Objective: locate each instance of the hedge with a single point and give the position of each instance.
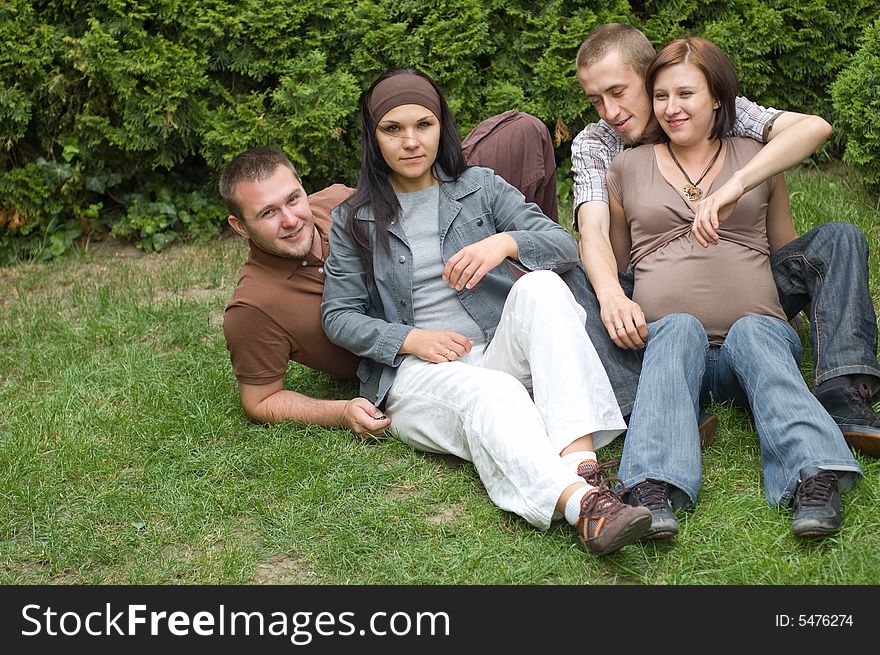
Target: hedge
(856, 94)
(117, 114)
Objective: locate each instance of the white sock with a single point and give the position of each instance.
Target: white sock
(573, 504)
(575, 458)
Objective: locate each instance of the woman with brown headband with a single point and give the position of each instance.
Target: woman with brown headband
(467, 357)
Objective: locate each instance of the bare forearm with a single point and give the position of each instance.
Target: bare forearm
(272, 404)
(598, 259)
(286, 405)
(595, 249)
(795, 137)
(604, 248)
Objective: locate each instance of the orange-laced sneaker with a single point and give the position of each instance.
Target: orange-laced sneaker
(606, 524)
(596, 474)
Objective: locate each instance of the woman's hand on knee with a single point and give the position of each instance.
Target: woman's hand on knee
(436, 346)
(469, 265)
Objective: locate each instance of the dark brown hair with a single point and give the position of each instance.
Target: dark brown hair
(716, 68)
(253, 164)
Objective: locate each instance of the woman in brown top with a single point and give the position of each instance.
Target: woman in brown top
(716, 328)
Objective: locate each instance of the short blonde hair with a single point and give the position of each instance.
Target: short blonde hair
(632, 44)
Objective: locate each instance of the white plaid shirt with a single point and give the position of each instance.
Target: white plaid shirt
(598, 144)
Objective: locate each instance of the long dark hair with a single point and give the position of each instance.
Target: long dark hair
(374, 191)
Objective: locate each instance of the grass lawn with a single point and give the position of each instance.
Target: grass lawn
(125, 457)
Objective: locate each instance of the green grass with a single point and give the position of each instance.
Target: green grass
(125, 457)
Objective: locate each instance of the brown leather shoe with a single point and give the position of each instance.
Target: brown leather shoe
(606, 524)
(708, 427)
(851, 409)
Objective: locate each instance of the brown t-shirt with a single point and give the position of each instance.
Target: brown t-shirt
(517, 147)
(673, 273)
(275, 313)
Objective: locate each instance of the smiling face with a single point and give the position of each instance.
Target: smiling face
(276, 215)
(683, 104)
(409, 137)
(618, 94)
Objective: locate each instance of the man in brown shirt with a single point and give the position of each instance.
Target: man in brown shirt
(274, 315)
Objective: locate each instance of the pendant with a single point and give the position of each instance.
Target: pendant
(692, 192)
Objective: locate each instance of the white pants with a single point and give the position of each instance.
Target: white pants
(479, 407)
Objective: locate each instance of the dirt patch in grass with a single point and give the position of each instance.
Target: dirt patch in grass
(197, 293)
(406, 488)
(9, 275)
(117, 248)
(284, 569)
(9, 279)
(446, 515)
(24, 573)
(217, 318)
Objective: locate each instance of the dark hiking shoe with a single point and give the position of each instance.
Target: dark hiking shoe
(654, 495)
(816, 504)
(596, 474)
(708, 427)
(606, 524)
(850, 407)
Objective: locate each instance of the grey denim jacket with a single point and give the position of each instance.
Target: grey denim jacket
(372, 318)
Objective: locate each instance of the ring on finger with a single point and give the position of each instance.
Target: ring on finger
(447, 353)
(619, 327)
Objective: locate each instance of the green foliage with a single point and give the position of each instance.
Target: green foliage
(787, 52)
(110, 110)
(157, 217)
(856, 95)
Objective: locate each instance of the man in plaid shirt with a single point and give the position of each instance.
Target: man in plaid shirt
(824, 271)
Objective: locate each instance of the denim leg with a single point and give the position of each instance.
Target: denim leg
(761, 355)
(627, 283)
(663, 439)
(828, 268)
(622, 365)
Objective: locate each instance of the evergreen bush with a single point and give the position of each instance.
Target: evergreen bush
(115, 115)
(856, 94)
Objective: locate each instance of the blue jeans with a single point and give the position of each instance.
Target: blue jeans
(758, 368)
(827, 267)
(622, 365)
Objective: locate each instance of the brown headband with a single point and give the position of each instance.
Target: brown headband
(403, 89)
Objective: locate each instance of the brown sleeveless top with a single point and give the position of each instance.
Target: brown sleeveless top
(673, 273)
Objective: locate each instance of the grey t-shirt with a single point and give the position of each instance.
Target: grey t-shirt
(435, 304)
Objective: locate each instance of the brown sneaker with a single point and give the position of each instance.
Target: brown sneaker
(606, 524)
(596, 474)
(708, 427)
